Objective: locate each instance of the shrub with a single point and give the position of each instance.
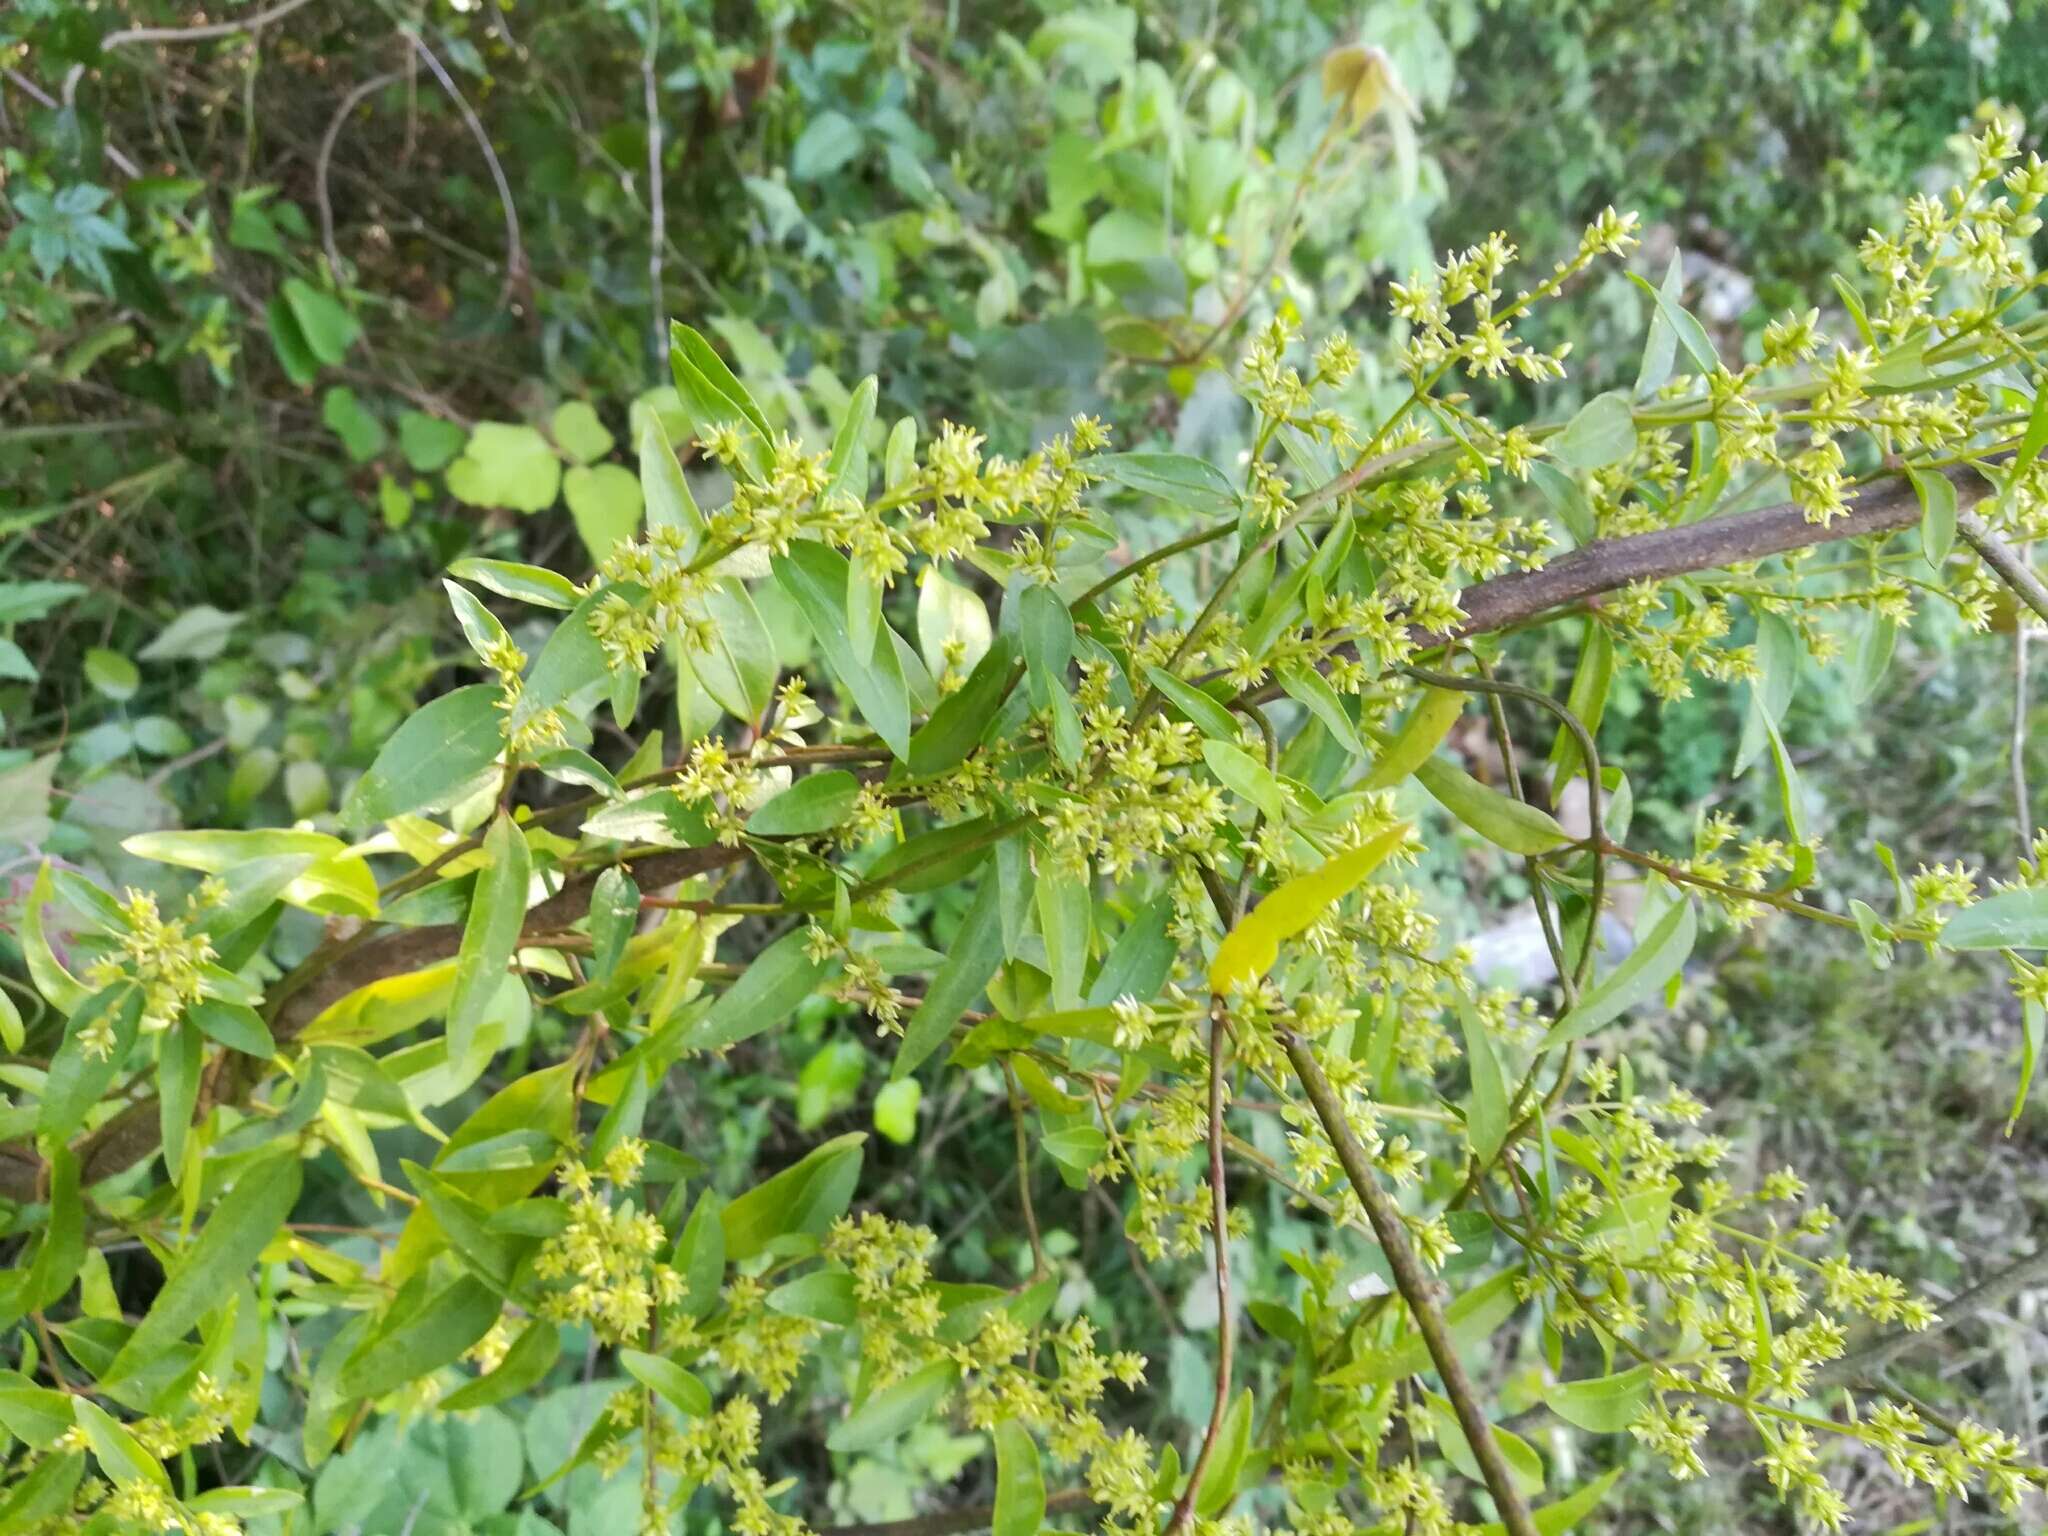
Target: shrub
(1129, 860)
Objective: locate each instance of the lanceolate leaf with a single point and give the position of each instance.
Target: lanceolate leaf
(894, 1409)
(1653, 962)
(1020, 1485)
(431, 759)
(1507, 823)
(971, 959)
(775, 982)
(2015, 919)
(1249, 950)
(240, 1227)
(497, 912)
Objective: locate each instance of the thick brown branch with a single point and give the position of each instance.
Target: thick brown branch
(1417, 1289)
(1709, 545)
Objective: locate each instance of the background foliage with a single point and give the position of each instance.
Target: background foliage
(294, 317)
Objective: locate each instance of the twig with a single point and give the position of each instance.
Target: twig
(326, 154)
(1417, 1289)
(2022, 812)
(1993, 1291)
(1996, 553)
(41, 97)
(650, 90)
(213, 29)
(1039, 1268)
(1219, 1223)
(515, 251)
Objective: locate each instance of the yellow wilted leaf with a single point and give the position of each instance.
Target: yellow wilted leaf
(1363, 79)
(1249, 950)
(383, 1008)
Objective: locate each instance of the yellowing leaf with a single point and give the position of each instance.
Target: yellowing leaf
(1249, 950)
(339, 882)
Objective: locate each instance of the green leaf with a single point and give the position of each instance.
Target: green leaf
(1524, 1465)
(529, 1359)
(497, 912)
(818, 802)
(1469, 1319)
(828, 142)
(896, 1408)
(677, 1387)
(1209, 716)
(200, 633)
(1937, 495)
(57, 986)
(1246, 777)
(1657, 957)
(806, 1197)
(120, 1454)
(1076, 1148)
(662, 486)
(815, 578)
(44, 1279)
(605, 501)
(896, 1110)
(1603, 433)
(337, 882)
(614, 913)
(523, 583)
(1140, 960)
(1065, 913)
(2015, 919)
(1677, 324)
(899, 456)
(774, 983)
(956, 727)
(1020, 1484)
(328, 329)
(578, 432)
(1310, 689)
(1045, 628)
(1502, 820)
(1605, 1405)
(824, 1296)
(1556, 1519)
(846, 470)
(1428, 723)
(2036, 437)
(1176, 477)
(710, 367)
(234, 1025)
(506, 464)
(420, 1336)
(432, 760)
(1486, 1117)
(79, 1077)
(427, 442)
(2033, 1035)
(362, 434)
(971, 960)
(1219, 1480)
(112, 674)
(34, 1415)
(239, 1229)
(700, 1253)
